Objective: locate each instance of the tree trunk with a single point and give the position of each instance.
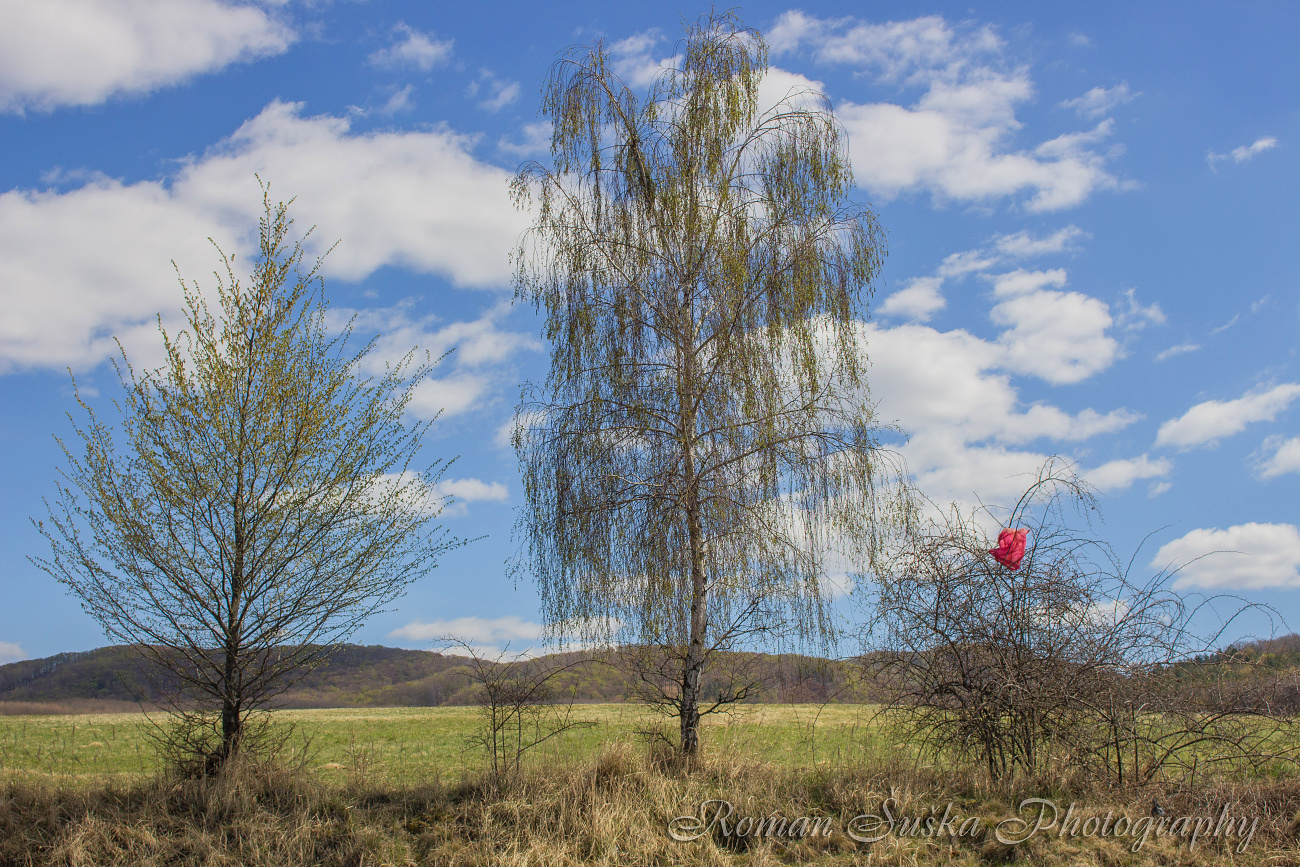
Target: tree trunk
(693, 666)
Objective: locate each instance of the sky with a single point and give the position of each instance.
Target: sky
(1091, 213)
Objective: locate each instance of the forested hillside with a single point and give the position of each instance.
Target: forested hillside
(376, 676)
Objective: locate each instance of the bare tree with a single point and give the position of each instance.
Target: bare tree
(1066, 654)
(257, 503)
(519, 705)
(703, 440)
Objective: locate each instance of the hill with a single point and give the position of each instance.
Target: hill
(112, 679)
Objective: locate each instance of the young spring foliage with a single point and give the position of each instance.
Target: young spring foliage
(703, 442)
(257, 501)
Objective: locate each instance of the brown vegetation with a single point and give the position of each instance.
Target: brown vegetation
(612, 810)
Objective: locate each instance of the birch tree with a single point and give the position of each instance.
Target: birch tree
(703, 450)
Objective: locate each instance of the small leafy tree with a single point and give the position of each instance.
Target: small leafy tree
(703, 442)
(256, 504)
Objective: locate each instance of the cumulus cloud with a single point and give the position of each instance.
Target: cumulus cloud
(1243, 557)
(948, 390)
(488, 636)
(1242, 154)
(1208, 422)
(952, 392)
(919, 300)
(11, 652)
(82, 52)
(955, 141)
(1100, 101)
(411, 48)
(83, 265)
(1285, 457)
(1057, 336)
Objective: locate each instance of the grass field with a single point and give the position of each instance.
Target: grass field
(402, 786)
(405, 746)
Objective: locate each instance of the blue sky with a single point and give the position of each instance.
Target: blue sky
(1091, 213)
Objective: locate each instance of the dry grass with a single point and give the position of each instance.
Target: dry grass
(609, 809)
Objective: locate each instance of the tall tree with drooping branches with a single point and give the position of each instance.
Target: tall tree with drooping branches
(702, 456)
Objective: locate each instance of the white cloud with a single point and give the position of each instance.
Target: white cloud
(462, 492)
(1242, 154)
(467, 379)
(400, 101)
(1057, 336)
(955, 140)
(1180, 349)
(952, 392)
(536, 140)
(1285, 458)
(472, 490)
(414, 49)
(499, 92)
(11, 652)
(967, 262)
(1134, 317)
(1022, 245)
(86, 264)
(81, 52)
(1208, 422)
(1100, 101)
(919, 300)
(1119, 475)
(1243, 557)
(488, 636)
(634, 60)
(966, 424)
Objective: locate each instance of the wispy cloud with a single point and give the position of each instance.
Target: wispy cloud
(487, 636)
(1100, 101)
(1242, 154)
(1180, 349)
(497, 92)
(411, 48)
(457, 494)
(11, 652)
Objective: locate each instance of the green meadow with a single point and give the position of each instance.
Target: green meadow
(405, 746)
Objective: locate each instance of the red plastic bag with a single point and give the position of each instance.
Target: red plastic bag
(1011, 548)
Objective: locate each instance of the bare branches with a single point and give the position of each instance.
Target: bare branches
(1069, 657)
(519, 709)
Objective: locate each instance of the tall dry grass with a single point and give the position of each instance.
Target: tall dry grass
(610, 810)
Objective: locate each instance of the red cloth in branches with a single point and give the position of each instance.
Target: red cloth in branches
(1011, 548)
